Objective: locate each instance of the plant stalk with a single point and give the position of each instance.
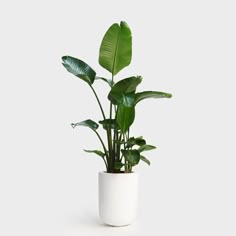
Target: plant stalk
(104, 147)
(109, 139)
(99, 103)
(126, 162)
(111, 151)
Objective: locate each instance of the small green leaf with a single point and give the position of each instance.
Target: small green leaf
(108, 81)
(119, 142)
(140, 141)
(146, 148)
(150, 94)
(118, 165)
(116, 48)
(108, 123)
(132, 156)
(135, 141)
(125, 117)
(131, 142)
(145, 160)
(79, 68)
(99, 153)
(89, 123)
(123, 91)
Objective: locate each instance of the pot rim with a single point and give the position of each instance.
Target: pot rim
(123, 173)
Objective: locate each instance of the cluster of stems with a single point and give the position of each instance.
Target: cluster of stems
(115, 141)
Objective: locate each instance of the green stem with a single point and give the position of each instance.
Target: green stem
(114, 143)
(112, 156)
(115, 138)
(129, 166)
(99, 103)
(109, 139)
(118, 147)
(126, 162)
(104, 147)
(112, 79)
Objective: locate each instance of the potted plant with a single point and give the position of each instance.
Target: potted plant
(120, 151)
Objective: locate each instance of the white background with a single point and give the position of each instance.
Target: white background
(48, 185)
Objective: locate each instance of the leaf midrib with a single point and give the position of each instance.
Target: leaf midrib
(114, 61)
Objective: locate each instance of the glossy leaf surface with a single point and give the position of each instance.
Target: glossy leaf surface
(123, 91)
(79, 68)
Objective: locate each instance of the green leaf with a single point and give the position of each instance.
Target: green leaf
(119, 142)
(150, 94)
(132, 156)
(79, 68)
(123, 91)
(125, 117)
(145, 160)
(135, 141)
(108, 81)
(99, 153)
(89, 123)
(108, 123)
(131, 142)
(118, 165)
(140, 141)
(146, 148)
(116, 48)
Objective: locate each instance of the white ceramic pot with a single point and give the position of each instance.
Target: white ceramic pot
(118, 195)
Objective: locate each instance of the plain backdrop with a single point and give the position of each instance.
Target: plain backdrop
(48, 185)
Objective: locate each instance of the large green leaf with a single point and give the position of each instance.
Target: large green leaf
(79, 68)
(146, 147)
(145, 160)
(132, 156)
(116, 48)
(125, 117)
(123, 91)
(99, 153)
(150, 94)
(88, 123)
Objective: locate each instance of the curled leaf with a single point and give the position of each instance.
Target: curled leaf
(99, 153)
(146, 147)
(150, 94)
(88, 123)
(145, 160)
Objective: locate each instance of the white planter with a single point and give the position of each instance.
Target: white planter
(118, 195)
